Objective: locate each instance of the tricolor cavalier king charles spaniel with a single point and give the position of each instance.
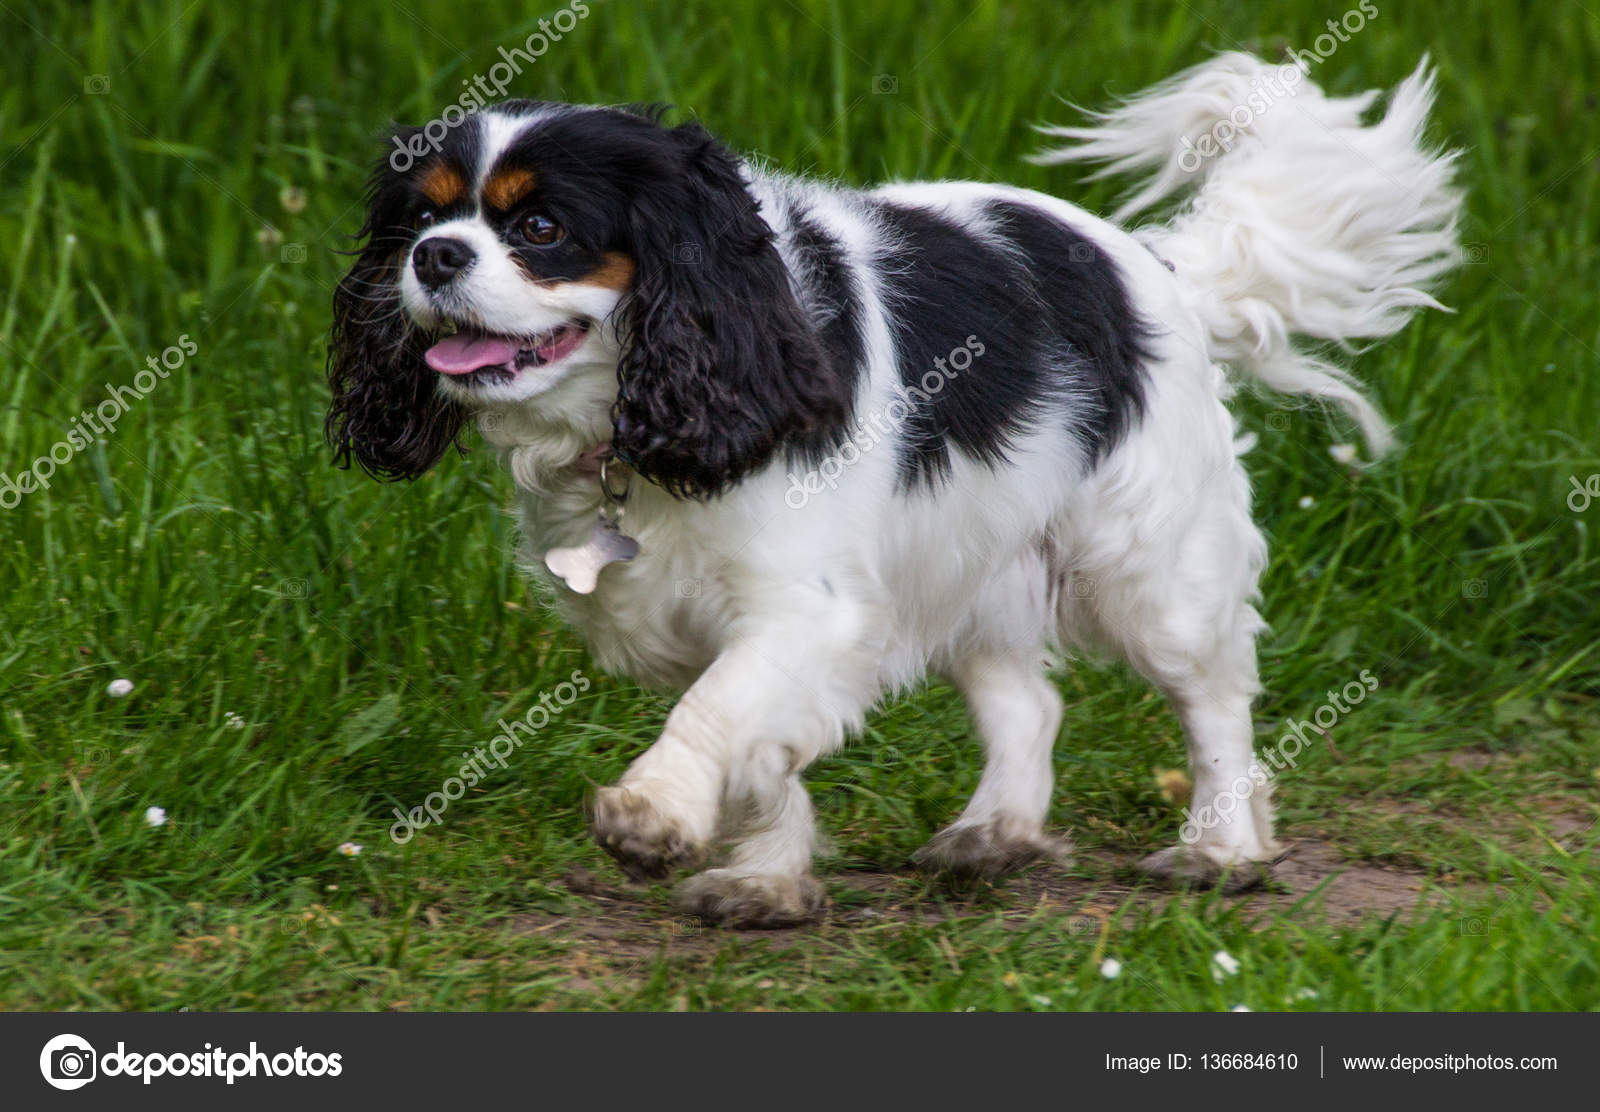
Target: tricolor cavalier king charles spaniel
(788, 447)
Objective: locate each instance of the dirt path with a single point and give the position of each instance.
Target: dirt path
(630, 924)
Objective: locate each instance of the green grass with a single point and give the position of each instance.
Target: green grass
(362, 636)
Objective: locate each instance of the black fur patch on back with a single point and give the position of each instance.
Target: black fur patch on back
(1088, 306)
(1054, 321)
(830, 293)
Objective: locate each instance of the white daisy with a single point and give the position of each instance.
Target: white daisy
(155, 816)
(1223, 966)
(119, 689)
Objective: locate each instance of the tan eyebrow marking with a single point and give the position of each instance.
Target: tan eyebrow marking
(506, 187)
(614, 273)
(443, 184)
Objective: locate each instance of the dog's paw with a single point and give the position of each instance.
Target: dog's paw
(647, 844)
(985, 852)
(1192, 867)
(751, 901)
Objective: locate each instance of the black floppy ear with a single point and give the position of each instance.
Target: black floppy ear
(386, 412)
(721, 368)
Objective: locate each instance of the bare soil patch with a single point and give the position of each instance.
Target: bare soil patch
(1312, 880)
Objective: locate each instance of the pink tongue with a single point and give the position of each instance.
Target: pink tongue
(464, 353)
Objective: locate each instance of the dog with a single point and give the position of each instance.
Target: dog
(789, 448)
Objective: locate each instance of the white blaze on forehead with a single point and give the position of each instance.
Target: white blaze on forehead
(498, 131)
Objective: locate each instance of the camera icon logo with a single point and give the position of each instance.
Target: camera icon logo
(68, 1062)
(293, 253)
(686, 253)
(885, 85)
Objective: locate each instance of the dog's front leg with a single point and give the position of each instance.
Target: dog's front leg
(662, 814)
(728, 763)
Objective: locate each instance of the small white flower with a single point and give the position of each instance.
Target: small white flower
(1111, 969)
(1306, 994)
(1240, 1008)
(119, 689)
(155, 816)
(350, 849)
(1306, 502)
(1223, 966)
(1342, 453)
(233, 721)
(1042, 1001)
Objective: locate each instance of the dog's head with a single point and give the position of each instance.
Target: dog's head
(534, 254)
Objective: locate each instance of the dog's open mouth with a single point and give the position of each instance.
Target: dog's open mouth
(473, 356)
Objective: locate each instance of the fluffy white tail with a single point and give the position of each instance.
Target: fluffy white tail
(1304, 221)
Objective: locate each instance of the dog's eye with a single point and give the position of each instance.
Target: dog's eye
(424, 219)
(539, 229)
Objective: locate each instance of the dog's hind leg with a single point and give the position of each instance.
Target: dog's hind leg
(1176, 598)
(1017, 712)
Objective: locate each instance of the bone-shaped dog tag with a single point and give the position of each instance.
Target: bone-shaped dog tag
(579, 568)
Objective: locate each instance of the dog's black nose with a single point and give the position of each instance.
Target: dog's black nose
(438, 259)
